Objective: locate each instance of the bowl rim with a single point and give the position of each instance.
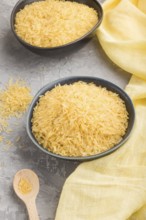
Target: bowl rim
(12, 18)
(50, 86)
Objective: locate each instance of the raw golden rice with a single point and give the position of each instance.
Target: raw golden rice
(53, 23)
(79, 119)
(14, 100)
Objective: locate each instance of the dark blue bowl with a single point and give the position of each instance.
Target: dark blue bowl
(44, 50)
(99, 82)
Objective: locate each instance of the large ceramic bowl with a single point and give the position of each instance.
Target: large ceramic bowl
(43, 50)
(99, 82)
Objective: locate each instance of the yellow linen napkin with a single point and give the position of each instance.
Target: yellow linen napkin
(114, 187)
(123, 34)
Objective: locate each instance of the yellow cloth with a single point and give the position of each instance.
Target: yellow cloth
(114, 187)
(123, 34)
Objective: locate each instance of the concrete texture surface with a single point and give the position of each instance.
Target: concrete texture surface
(18, 62)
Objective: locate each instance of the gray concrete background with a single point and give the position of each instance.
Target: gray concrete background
(18, 62)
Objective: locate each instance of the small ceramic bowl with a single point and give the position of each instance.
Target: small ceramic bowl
(43, 50)
(99, 82)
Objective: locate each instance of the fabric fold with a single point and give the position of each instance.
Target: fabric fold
(123, 35)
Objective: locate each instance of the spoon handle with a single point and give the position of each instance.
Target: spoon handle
(32, 210)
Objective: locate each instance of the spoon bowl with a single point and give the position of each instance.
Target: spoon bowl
(26, 187)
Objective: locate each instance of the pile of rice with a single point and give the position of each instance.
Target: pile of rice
(14, 101)
(53, 23)
(79, 119)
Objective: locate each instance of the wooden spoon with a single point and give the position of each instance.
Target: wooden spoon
(26, 186)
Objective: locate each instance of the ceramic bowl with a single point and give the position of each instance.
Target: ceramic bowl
(99, 82)
(43, 50)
